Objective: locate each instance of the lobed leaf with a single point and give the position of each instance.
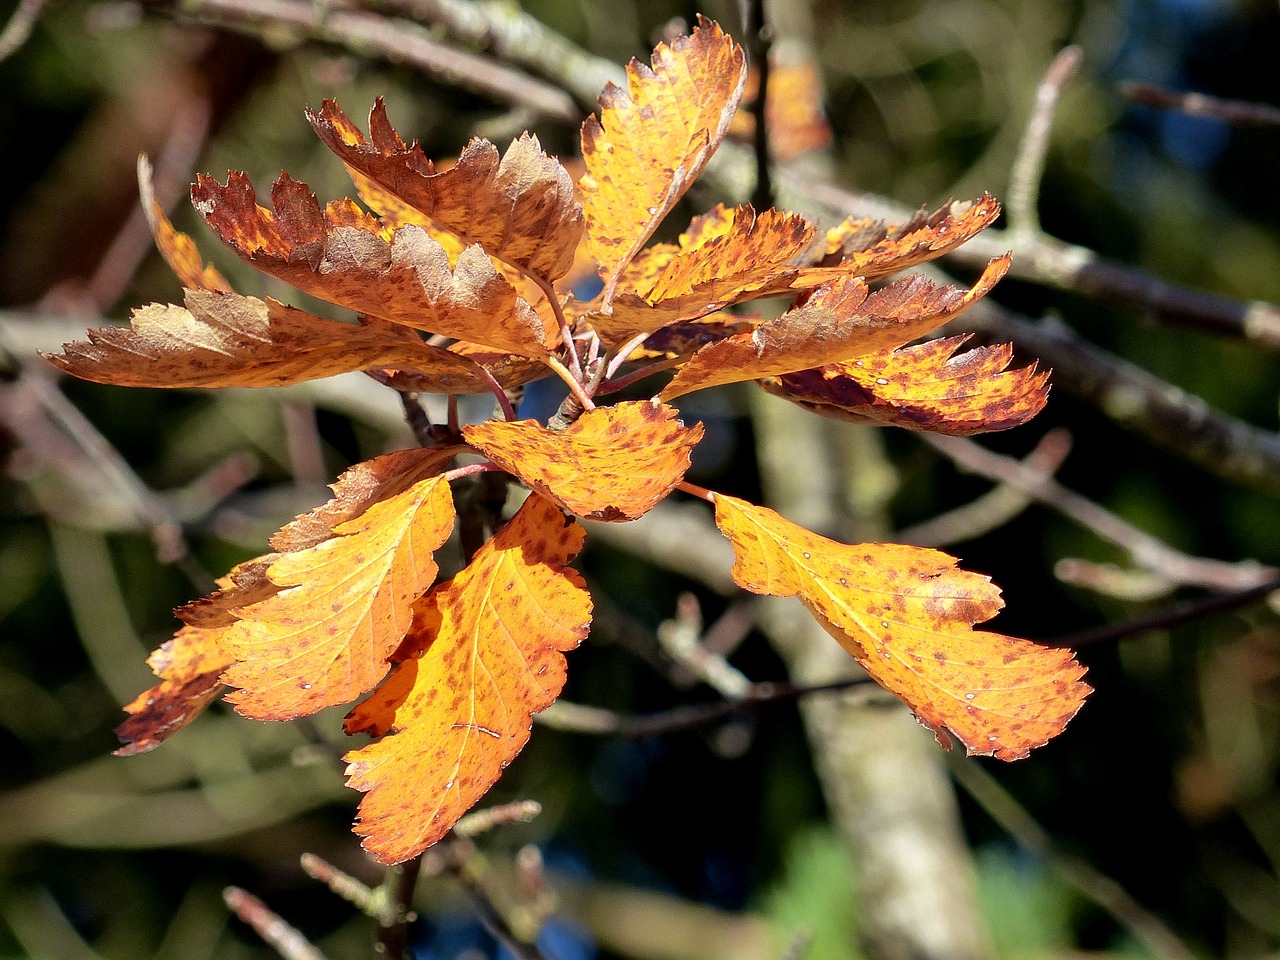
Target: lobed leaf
(521, 209)
(612, 463)
(339, 254)
(189, 666)
(923, 387)
(344, 603)
(222, 339)
(486, 653)
(906, 614)
(839, 320)
(178, 249)
(653, 139)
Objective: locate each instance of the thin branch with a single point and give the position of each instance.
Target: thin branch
(1146, 550)
(356, 892)
(1091, 884)
(1240, 112)
(1028, 166)
(417, 418)
(482, 821)
(1174, 615)
(465, 865)
(276, 932)
(993, 509)
(18, 30)
(759, 37)
(393, 927)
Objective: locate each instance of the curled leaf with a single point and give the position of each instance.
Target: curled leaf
(521, 209)
(653, 139)
(613, 463)
(486, 653)
(923, 387)
(906, 614)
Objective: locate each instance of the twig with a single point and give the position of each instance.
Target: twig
(482, 821)
(1146, 550)
(417, 418)
(18, 30)
(398, 41)
(467, 867)
(1028, 166)
(1240, 112)
(285, 939)
(996, 507)
(393, 927)
(1167, 618)
(356, 892)
(682, 637)
(1094, 886)
(595, 721)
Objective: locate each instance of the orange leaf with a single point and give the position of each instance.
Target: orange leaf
(487, 652)
(345, 602)
(189, 667)
(923, 387)
(339, 254)
(521, 209)
(872, 249)
(839, 320)
(178, 249)
(226, 340)
(653, 139)
(613, 463)
(906, 614)
(723, 258)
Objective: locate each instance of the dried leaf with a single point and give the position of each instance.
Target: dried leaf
(906, 614)
(178, 249)
(522, 209)
(189, 667)
(487, 652)
(226, 340)
(345, 603)
(725, 257)
(613, 463)
(340, 255)
(923, 387)
(839, 320)
(653, 140)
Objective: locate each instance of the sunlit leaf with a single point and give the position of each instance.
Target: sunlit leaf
(486, 653)
(613, 463)
(906, 614)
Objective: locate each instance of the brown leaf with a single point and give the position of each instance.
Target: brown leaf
(521, 209)
(839, 320)
(486, 653)
(223, 339)
(344, 603)
(653, 139)
(613, 463)
(725, 257)
(339, 254)
(189, 667)
(923, 387)
(178, 249)
(906, 614)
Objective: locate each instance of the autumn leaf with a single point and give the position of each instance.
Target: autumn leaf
(345, 602)
(521, 209)
(339, 254)
(189, 667)
(653, 139)
(725, 257)
(838, 321)
(178, 249)
(923, 387)
(222, 339)
(906, 613)
(613, 463)
(487, 652)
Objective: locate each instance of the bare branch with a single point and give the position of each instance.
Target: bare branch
(276, 932)
(1028, 167)
(1240, 112)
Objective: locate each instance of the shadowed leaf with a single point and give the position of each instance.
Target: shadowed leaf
(838, 321)
(906, 614)
(653, 139)
(612, 463)
(486, 653)
(339, 254)
(521, 208)
(923, 387)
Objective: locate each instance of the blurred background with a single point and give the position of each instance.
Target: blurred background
(1150, 827)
